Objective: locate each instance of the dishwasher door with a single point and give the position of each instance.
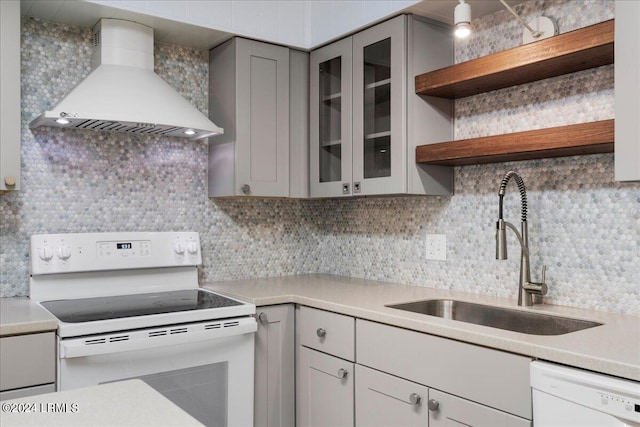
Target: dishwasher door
(567, 397)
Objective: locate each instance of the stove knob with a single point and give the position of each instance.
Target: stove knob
(192, 247)
(64, 252)
(178, 248)
(45, 253)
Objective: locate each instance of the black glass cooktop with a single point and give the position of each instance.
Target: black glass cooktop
(103, 308)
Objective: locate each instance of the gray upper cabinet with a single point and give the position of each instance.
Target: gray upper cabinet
(9, 95)
(365, 118)
(627, 91)
(380, 88)
(298, 124)
(250, 95)
(330, 120)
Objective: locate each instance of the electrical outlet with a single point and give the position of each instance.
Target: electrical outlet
(436, 247)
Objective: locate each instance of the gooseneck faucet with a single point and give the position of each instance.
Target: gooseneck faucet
(526, 287)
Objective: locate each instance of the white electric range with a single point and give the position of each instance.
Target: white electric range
(129, 306)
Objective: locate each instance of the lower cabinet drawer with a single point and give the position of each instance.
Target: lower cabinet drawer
(27, 360)
(383, 400)
(326, 331)
(491, 377)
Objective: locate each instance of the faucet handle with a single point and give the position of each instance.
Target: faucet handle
(535, 288)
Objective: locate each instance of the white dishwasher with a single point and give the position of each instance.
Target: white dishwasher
(569, 397)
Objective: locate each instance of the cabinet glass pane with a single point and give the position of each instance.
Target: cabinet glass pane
(330, 120)
(377, 110)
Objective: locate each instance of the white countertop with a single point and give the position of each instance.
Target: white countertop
(20, 315)
(613, 348)
(125, 403)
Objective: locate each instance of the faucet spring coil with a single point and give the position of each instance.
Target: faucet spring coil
(521, 188)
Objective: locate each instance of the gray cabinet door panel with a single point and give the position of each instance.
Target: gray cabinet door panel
(324, 393)
(330, 138)
(275, 360)
(383, 400)
(627, 91)
(10, 95)
(380, 108)
(263, 118)
(249, 97)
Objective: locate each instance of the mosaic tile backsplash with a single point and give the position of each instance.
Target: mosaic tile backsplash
(583, 225)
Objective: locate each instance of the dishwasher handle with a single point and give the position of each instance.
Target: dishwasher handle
(155, 338)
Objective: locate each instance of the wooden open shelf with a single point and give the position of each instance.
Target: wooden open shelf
(572, 140)
(577, 50)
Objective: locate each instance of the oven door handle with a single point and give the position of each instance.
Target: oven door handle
(153, 338)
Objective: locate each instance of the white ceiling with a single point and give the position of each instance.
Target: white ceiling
(85, 14)
(442, 10)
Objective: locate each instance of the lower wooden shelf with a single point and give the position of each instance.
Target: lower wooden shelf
(572, 140)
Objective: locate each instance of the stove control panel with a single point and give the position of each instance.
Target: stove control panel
(82, 252)
(132, 248)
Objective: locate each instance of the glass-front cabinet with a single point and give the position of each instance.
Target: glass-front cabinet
(362, 107)
(379, 109)
(330, 112)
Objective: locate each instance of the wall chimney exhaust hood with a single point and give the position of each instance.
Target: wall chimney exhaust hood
(122, 93)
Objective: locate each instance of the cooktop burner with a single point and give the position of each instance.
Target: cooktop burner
(115, 307)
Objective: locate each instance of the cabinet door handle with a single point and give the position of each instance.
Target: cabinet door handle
(342, 373)
(415, 399)
(321, 332)
(246, 189)
(433, 405)
(262, 318)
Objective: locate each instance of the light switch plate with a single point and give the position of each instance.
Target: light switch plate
(436, 247)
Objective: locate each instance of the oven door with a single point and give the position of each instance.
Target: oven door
(206, 368)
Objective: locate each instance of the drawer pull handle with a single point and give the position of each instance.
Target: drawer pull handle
(342, 373)
(415, 399)
(321, 332)
(433, 404)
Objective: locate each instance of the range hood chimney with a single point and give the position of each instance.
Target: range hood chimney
(122, 93)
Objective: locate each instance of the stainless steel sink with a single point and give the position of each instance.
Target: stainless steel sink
(497, 317)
